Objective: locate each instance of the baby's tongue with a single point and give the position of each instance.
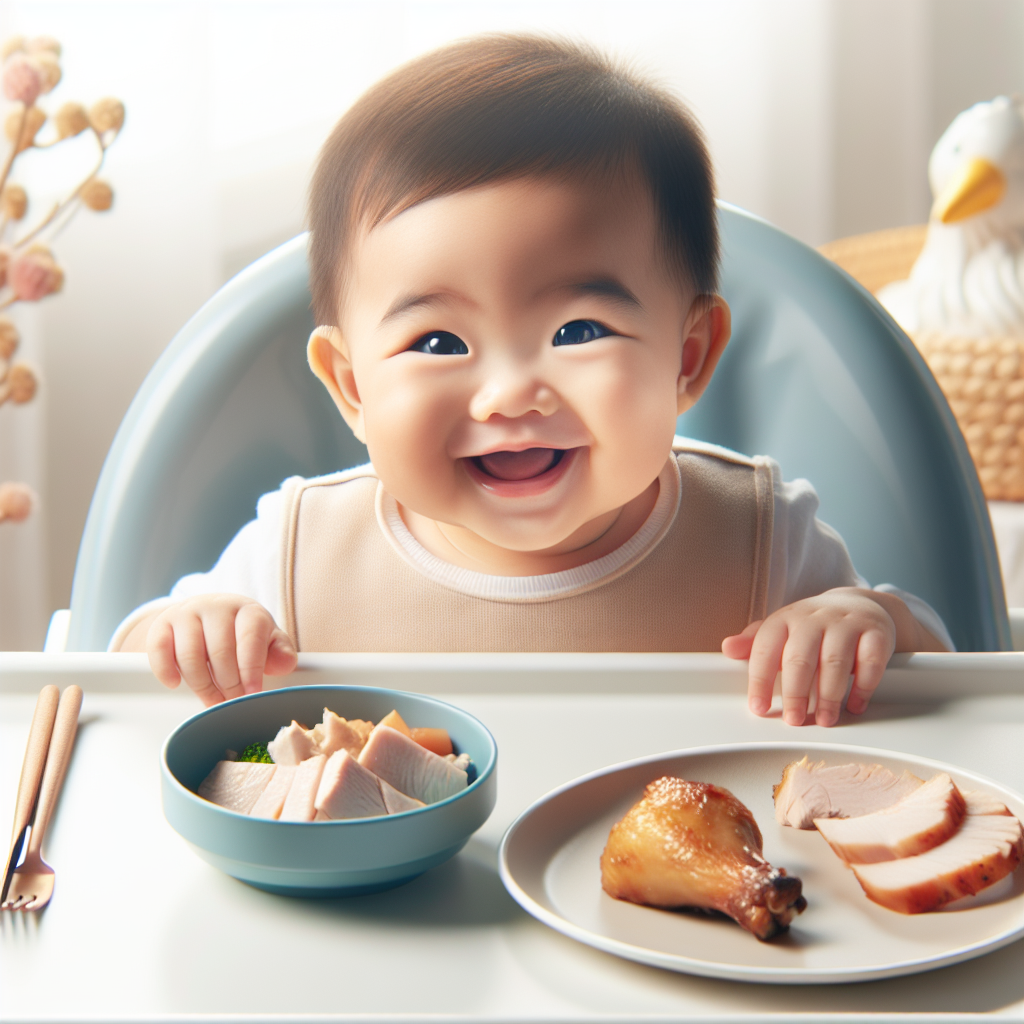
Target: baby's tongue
(519, 465)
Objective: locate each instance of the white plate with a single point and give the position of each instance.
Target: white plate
(549, 864)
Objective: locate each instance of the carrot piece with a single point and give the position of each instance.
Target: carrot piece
(435, 740)
(394, 720)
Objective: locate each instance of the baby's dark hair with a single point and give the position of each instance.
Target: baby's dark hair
(499, 107)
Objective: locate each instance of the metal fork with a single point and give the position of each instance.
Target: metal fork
(31, 884)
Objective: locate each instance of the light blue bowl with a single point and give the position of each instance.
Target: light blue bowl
(324, 858)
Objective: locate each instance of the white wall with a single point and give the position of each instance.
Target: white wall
(820, 116)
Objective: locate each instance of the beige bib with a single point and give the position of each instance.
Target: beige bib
(347, 587)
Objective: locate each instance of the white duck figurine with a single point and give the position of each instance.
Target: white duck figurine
(969, 277)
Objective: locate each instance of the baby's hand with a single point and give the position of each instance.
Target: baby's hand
(822, 640)
(220, 644)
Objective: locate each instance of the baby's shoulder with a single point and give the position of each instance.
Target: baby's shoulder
(274, 506)
(346, 484)
(795, 501)
(336, 479)
(688, 449)
(723, 481)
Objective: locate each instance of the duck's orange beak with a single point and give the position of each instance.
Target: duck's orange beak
(976, 186)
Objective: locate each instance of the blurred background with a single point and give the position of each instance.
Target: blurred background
(820, 116)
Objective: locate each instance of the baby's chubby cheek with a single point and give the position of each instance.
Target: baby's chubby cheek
(634, 417)
(407, 437)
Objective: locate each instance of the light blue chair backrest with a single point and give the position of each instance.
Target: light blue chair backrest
(817, 376)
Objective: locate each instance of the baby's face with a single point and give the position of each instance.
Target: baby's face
(512, 357)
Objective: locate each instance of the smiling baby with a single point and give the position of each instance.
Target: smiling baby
(514, 256)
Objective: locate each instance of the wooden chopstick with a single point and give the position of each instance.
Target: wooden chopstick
(31, 774)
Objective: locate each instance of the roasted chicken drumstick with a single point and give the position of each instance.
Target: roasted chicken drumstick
(692, 844)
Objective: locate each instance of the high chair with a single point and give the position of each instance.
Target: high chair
(817, 375)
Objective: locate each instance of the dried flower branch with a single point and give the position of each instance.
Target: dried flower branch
(29, 271)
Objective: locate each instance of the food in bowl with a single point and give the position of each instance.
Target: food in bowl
(694, 845)
(321, 858)
(340, 769)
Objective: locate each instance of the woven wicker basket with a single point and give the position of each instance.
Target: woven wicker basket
(983, 378)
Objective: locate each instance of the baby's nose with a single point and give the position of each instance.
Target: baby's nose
(511, 392)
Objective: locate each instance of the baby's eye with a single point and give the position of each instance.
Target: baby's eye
(440, 343)
(578, 332)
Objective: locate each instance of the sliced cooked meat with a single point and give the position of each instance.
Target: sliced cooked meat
(397, 802)
(808, 791)
(692, 844)
(299, 805)
(272, 799)
(348, 790)
(983, 803)
(410, 768)
(923, 819)
(985, 849)
(236, 785)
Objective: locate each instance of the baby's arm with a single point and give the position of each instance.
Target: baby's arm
(823, 623)
(218, 630)
(220, 644)
(826, 639)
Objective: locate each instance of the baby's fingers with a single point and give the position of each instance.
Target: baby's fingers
(765, 655)
(738, 646)
(281, 658)
(160, 648)
(191, 658)
(835, 663)
(257, 638)
(222, 651)
(873, 653)
(252, 638)
(799, 671)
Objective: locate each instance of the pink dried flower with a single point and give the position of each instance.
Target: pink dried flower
(16, 501)
(22, 79)
(35, 274)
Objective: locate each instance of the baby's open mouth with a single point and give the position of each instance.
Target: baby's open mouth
(522, 465)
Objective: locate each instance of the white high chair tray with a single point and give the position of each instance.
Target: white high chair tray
(178, 940)
(549, 863)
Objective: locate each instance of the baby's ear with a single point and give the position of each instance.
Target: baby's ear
(329, 359)
(706, 332)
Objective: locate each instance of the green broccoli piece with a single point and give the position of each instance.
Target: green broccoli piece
(256, 752)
